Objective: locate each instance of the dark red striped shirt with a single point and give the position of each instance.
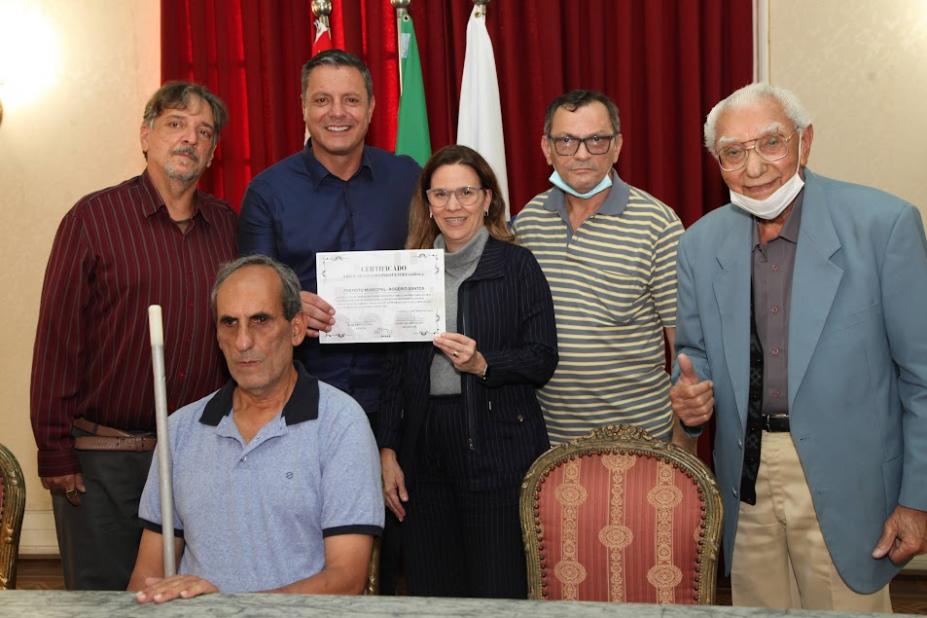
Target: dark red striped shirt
(116, 252)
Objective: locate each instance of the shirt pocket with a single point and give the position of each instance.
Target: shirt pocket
(617, 291)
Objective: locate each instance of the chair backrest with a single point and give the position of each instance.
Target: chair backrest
(12, 506)
(621, 516)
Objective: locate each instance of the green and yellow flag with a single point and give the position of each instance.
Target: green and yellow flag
(412, 136)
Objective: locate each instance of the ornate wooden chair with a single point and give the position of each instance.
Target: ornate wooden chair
(373, 570)
(621, 516)
(12, 505)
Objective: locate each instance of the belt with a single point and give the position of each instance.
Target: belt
(775, 423)
(111, 439)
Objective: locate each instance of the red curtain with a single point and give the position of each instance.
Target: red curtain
(250, 53)
(665, 62)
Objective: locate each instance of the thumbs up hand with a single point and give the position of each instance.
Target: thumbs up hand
(692, 398)
(687, 374)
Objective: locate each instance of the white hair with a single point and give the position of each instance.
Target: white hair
(750, 95)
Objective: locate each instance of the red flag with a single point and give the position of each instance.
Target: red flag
(323, 37)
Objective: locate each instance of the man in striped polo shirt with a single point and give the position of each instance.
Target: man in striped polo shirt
(609, 253)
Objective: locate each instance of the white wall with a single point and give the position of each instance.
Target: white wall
(78, 134)
(860, 67)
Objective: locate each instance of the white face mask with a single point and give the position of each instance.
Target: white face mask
(772, 206)
(561, 184)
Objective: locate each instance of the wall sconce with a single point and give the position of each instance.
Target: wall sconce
(29, 58)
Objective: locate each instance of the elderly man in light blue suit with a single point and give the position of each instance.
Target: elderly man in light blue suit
(800, 324)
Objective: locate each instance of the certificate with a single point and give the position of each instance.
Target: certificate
(383, 296)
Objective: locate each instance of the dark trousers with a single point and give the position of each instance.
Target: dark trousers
(99, 539)
(458, 542)
(391, 571)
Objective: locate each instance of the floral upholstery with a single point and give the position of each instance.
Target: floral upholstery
(620, 516)
(12, 505)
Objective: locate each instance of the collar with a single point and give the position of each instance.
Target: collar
(467, 254)
(492, 261)
(155, 202)
(615, 202)
(790, 229)
(318, 172)
(303, 404)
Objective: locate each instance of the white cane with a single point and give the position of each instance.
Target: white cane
(164, 454)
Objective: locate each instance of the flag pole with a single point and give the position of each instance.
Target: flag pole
(479, 119)
(402, 9)
(156, 330)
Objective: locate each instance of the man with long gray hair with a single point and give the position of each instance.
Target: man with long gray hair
(154, 239)
(800, 327)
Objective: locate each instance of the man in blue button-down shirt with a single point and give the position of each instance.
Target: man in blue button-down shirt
(336, 195)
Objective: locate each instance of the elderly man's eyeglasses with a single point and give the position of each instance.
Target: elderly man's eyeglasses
(568, 145)
(770, 148)
(466, 196)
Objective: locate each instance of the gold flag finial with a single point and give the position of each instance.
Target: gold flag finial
(321, 8)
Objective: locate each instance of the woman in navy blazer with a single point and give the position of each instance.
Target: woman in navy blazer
(459, 422)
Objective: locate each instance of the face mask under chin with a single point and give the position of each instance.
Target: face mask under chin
(772, 206)
(561, 184)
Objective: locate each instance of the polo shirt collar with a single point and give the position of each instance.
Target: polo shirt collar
(615, 202)
(155, 202)
(303, 404)
(318, 172)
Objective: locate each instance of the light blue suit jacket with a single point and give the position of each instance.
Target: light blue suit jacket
(857, 348)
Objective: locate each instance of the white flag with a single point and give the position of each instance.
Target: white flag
(479, 122)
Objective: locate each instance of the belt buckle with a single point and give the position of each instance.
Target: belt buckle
(778, 419)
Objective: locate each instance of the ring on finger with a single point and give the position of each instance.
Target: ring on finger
(455, 353)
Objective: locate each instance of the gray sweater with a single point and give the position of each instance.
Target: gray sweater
(445, 380)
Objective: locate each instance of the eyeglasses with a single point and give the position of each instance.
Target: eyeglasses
(466, 196)
(769, 148)
(568, 145)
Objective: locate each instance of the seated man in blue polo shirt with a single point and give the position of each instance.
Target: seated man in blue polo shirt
(276, 476)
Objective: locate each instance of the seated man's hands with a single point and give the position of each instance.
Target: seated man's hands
(159, 590)
(319, 313)
(692, 398)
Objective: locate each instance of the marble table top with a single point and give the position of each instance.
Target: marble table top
(54, 604)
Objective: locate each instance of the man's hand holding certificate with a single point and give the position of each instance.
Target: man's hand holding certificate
(382, 296)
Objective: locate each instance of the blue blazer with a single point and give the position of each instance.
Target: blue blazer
(857, 372)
